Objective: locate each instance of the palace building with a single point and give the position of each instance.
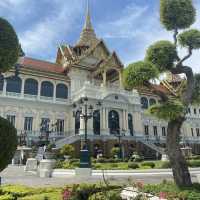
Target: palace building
(40, 101)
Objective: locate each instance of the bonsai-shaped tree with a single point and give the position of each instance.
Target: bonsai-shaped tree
(161, 57)
(9, 53)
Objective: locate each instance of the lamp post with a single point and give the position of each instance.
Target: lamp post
(86, 113)
(120, 135)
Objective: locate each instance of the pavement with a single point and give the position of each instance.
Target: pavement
(16, 175)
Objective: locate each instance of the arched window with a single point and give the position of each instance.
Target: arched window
(61, 91)
(14, 84)
(130, 123)
(152, 102)
(113, 122)
(77, 122)
(144, 102)
(31, 87)
(47, 89)
(96, 122)
(1, 84)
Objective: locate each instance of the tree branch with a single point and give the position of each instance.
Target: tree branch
(187, 95)
(175, 36)
(161, 94)
(180, 62)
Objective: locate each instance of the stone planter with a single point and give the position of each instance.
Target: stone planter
(49, 155)
(46, 168)
(67, 157)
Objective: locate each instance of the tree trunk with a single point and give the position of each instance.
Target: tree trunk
(178, 162)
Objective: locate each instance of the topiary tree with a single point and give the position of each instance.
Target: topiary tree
(9, 53)
(175, 15)
(8, 143)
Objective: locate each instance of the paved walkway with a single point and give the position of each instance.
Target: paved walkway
(16, 175)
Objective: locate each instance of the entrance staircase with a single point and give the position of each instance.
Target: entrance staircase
(151, 145)
(67, 140)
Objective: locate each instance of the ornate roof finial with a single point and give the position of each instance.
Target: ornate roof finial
(88, 24)
(88, 36)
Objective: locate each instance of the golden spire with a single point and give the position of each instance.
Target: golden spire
(88, 36)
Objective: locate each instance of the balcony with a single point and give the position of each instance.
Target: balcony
(100, 92)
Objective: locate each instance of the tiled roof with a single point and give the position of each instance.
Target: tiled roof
(40, 65)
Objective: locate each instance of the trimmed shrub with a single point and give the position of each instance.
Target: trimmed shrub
(165, 165)
(67, 150)
(133, 165)
(112, 195)
(8, 143)
(194, 163)
(148, 164)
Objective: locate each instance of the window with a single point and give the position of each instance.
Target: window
(61, 91)
(146, 130)
(152, 102)
(144, 102)
(96, 122)
(31, 87)
(163, 131)
(189, 111)
(14, 84)
(60, 125)
(47, 89)
(11, 119)
(130, 123)
(44, 126)
(113, 122)
(198, 132)
(28, 123)
(77, 122)
(192, 132)
(155, 131)
(195, 111)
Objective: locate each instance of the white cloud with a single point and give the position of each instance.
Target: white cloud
(140, 26)
(44, 36)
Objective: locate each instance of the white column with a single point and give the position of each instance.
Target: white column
(22, 89)
(4, 87)
(104, 78)
(54, 93)
(39, 90)
(120, 80)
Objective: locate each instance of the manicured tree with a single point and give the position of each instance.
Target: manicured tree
(9, 53)
(175, 15)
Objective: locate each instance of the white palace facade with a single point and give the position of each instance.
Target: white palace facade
(44, 93)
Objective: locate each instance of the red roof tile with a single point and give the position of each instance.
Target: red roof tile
(41, 65)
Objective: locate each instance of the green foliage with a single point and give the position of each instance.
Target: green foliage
(115, 151)
(67, 150)
(169, 110)
(133, 165)
(165, 165)
(194, 163)
(196, 92)
(190, 38)
(9, 48)
(148, 164)
(112, 195)
(173, 192)
(177, 14)
(162, 54)
(8, 143)
(136, 74)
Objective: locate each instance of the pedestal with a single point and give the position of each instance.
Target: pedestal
(46, 167)
(31, 165)
(85, 161)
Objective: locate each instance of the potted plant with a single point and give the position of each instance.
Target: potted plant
(67, 151)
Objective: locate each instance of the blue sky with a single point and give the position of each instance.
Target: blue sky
(127, 26)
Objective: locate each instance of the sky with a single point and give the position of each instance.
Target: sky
(127, 26)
